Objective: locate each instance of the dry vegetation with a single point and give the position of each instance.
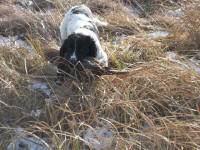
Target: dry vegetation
(156, 105)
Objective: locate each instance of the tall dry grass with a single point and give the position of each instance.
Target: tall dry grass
(154, 106)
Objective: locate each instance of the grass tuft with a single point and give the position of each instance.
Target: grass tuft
(154, 105)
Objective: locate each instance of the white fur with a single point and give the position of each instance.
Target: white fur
(75, 23)
(72, 22)
(73, 57)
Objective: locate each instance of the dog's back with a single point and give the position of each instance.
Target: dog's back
(82, 9)
(77, 17)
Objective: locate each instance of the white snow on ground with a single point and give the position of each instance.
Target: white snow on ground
(194, 64)
(36, 85)
(26, 2)
(29, 2)
(171, 55)
(35, 113)
(157, 34)
(132, 10)
(50, 99)
(175, 13)
(118, 40)
(119, 43)
(30, 5)
(24, 142)
(100, 138)
(14, 41)
(5, 40)
(46, 13)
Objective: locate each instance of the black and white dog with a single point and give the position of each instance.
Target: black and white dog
(80, 37)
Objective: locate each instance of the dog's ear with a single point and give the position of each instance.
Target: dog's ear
(92, 47)
(63, 48)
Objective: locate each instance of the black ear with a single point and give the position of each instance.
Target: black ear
(92, 48)
(63, 48)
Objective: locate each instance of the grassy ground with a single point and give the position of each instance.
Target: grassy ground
(156, 105)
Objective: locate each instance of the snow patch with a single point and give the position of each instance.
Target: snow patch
(27, 2)
(132, 10)
(14, 41)
(194, 64)
(119, 43)
(100, 138)
(118, 40)
(171, 55)
(46, 13)
(24, 142)
(157, 34)
(35, 113)
(145, 125)
(175, 13)
(50, 99)
(36, 85)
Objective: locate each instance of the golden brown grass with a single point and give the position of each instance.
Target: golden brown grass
(156, 105)
(187, 31)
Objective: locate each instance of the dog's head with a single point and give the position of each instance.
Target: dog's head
(77, 47)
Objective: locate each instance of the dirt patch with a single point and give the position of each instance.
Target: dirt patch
(4, 11)
(100, 7)
(43, 5)
(117, 29)
(15, 25)
(27, 24)
(36, 5)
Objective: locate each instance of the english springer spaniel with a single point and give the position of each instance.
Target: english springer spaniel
(80, 37)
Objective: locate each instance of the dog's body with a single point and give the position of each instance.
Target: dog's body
(79, 33)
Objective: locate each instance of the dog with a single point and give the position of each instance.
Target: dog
(80, 37)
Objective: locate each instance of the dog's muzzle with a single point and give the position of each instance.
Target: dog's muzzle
(73, 61)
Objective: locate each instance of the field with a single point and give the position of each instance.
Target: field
(154, 106)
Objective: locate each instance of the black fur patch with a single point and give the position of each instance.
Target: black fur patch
(84, 45)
